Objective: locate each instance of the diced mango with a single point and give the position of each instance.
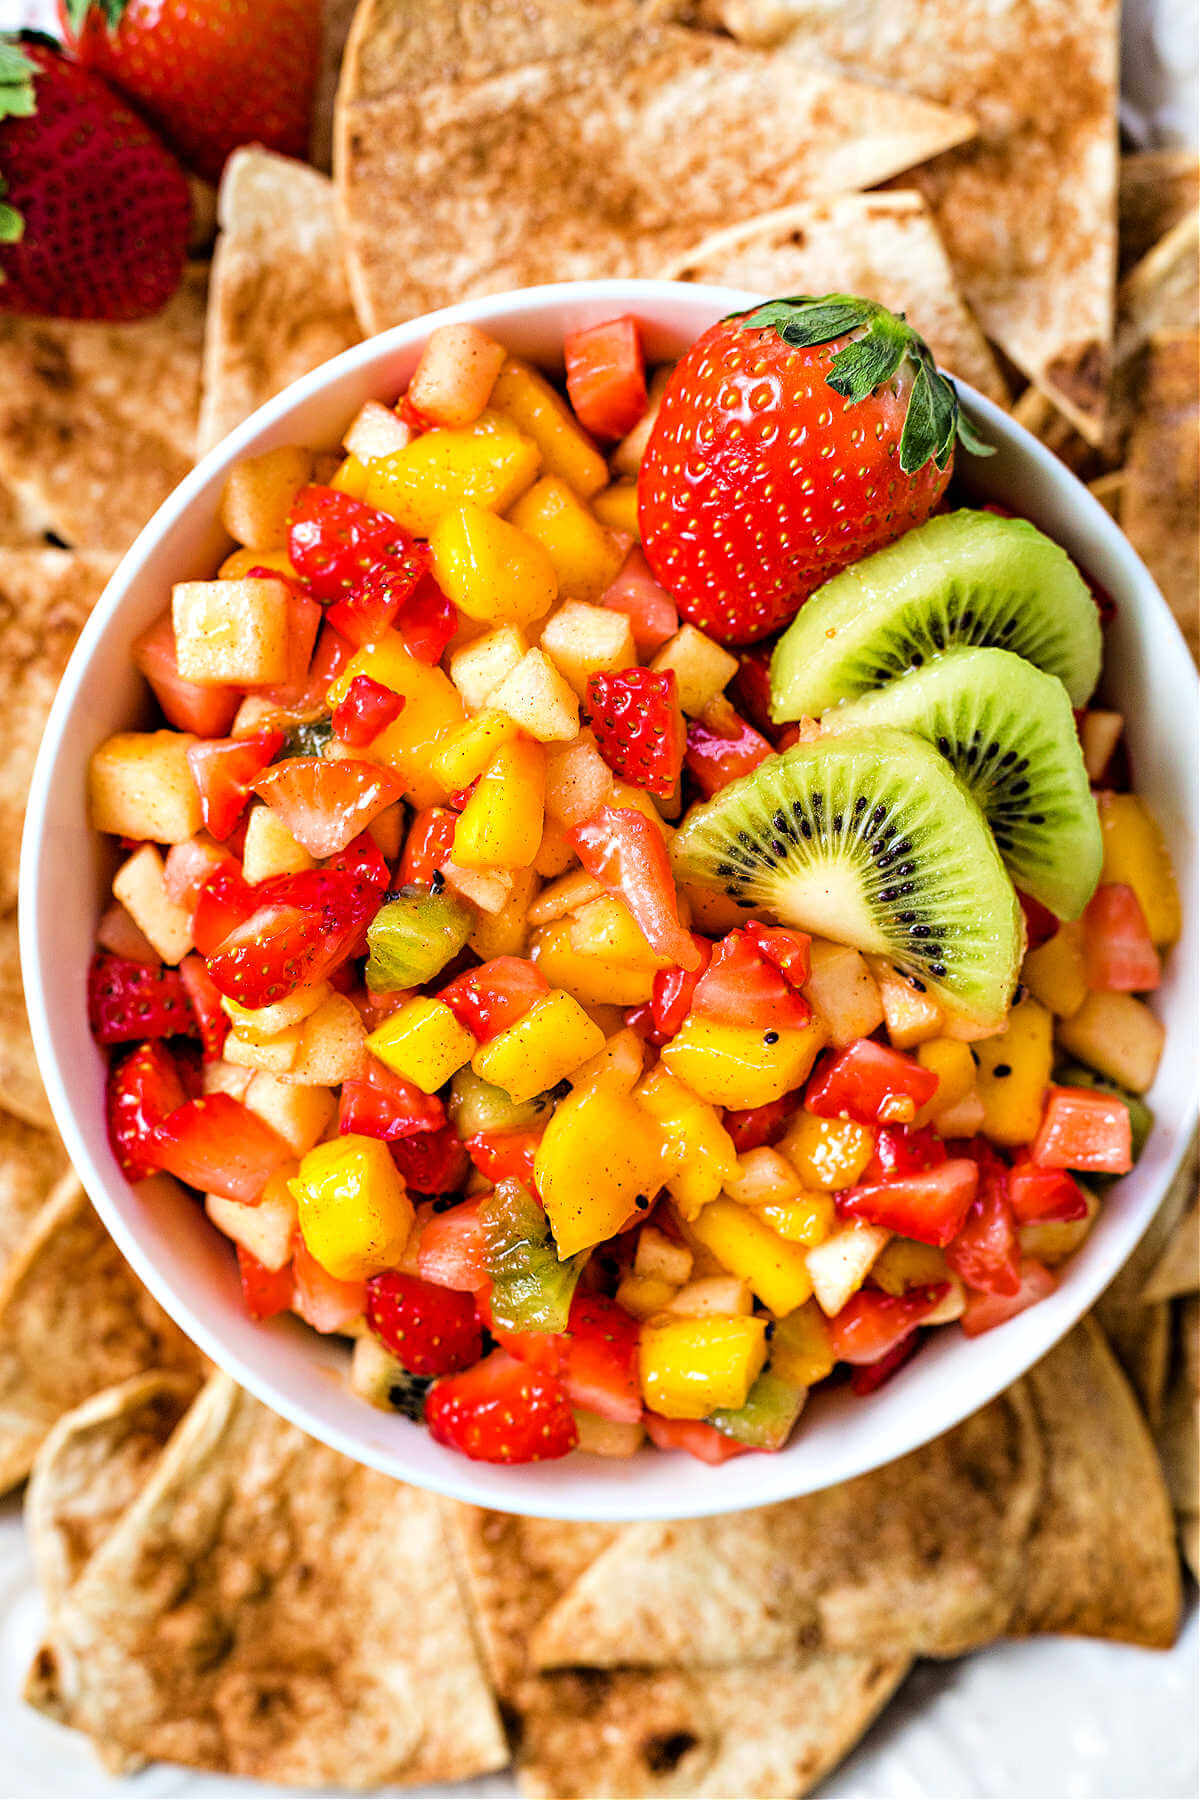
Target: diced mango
(270, 849)
(1014, 1073)
(702, 668)
(541, 1049)
(808, 1220)
(743, 1244)
(827, 1153)
(239, 563)
(735, 1065)
(1055, 973)
(954, 1066)
(503, 933)
(589, 978)
(489, 462)
(456, 373)
(492, 571)
(1117, 1035)
(690, 1367)
(139, 885)
(432, 708)
(903, 1263)
(583, 640)
(465, 752)
(843, 992)
(231, 631)
(424, 1042)
(616, 507)
(355, 1216)
(599, 1162)
(1136, 854)
(259, 492)
(540, 700)
(351, 476)
(606, 927)
(500, 827)
(911, 1017)
(839, 1266)
(140, 786)
(478, 668)
(699, 1152)
(620, 1063)
(536, 409)
(801, 1347)
(585, 557)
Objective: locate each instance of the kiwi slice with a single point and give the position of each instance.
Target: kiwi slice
(873, 840)
(475, 1105)
(1008, 730)
(413, 937)
(963, 578)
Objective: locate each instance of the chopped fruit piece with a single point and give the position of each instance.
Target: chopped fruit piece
(487, 462)
(985, 1311)
(600, 1367)
(219, 1146)
(1014, 1073)
(871, 1325)
(675, 988)
(502, 1411)
(638, 727)
(429, 1330)
(1037, 1194)
(552, 1039)
(501, 824)
(504, 1155)
(478, 669)
(412, 938)
(871, 1376)
(911, 1017)
(431, 708)
(905, 1264)
(904, 1150)
(696, 1436)
(205, 998)
(299, 1113)
(267, 1229)
(722, 747)
(302, 927)
(743, 1244)
(872, 1084)
(537, 409)
(691, 1367)
(128, 1000)
(593, 980)
(208, 711)
(141, 886)
(224, 770)
(392, 593)
(584, 640)
(1135, 853)
(531, 1288)
(951, 1061)
(839, 1266)
(538, 699)
(713, 1294)
(584, 555)
(985, 1252)
(490, 999)
(376, 430)
(1119, 954)
(626, 855)
(742, 985)
(231, 631)
(702, 669)
(1117, 1035)
(492, 571)
(755, 1126)
(269, 849)
(355, 1215)
(616, 509)
(828, 1153)
(454, 378)
(598, 1164)
(648, 607)
(661, 1257)
(265, 1292)
(464, 753)
(140, 787)
(766, 1419)
(322, 1301)
(605, 927)
(802, 1347)
(1084, 1130)
(326, 803)
(334, 540)
(843, 992)
(741, 1066)
(432, 1162)
(451, 1249)
(578, 783)
(698, 1151)
(366, 708)
(606, 376)
(1055, 972)
(223, 902)
(930, 1207)
(381, 1104)
(809, 1219)
(428, 846)
(424, 1042)
(143, 1090)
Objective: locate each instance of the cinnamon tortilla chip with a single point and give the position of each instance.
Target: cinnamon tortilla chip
(1027, 211)
(98, 422)
(31, 1162)
(21, 523)
(267, 1608)
(1160, 503)
(1177, 1271)
(45, 596)
(762, 1729)
(885, 246)
(592, 140)
(279, 303)
(1179, 1434)
(1138, 1332)
(337, 16)
(1038, 413)
(1156, 189)
(1161, 293)
(73, 1319)
(21, 1090)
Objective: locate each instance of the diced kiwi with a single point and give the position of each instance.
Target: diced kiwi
(1009, 732)
(1141, 1119)
(475, 1105)
(380, 1379)
(962, 578)
(766, 1417)
(531, 1289)
(311, 737)
(870, 839)
(413, 937)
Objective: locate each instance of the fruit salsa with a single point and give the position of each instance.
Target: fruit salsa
(629, 912)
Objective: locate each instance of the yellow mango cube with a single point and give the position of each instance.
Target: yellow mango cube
(489, 462)
(700, 1156)
(591, 979)
(1014, 1073)
(492, 571)
(540, 1050)
(644, 1295)
(619, 1063)
(355, 1216)
(1056, 973)
(140, 786)
(259, 492)
(500, 827)
(616, 507)
(503, 933)
(801, 1347)
(424, 1042)
(952, 1063)
(585, 557)
(808, 1219)
(827, 1153)
(598, 1164)
(432, 709)
(734, 1065)
(746, 1246)
(606, 927)
(231, 631)
(239, 563)
(910, 1017)
(1136, 854)
(538, 410)
(691, 1367)
(351, 477)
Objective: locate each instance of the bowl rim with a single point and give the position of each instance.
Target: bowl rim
(706, 1491)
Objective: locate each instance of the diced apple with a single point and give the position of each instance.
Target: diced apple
(840, 1265)
(841, 988)
(503, 932)
(538, 698)
(457, 371)
(478, 669)
(1119, 1036)
(261, 1024)
(764, 1178)
(231, 631)
(276, 1055)
(118, 933)
(566, 895)
(300, 1113)
(488, 889)
(1099, 735)
(225, 1078)
(555, 852)
(270, 849)
(911, 1017)
(140, 886)
(258, 495)
(578, 780)
(141, 786)
(702, 668)
(585, 640)
(713, 1295)
(332, 1044)
(376, 430)
(265, 1229)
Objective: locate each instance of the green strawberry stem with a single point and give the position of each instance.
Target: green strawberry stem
(78, 10)
(882, 343)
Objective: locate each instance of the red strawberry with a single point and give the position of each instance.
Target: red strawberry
(211, 77)
(428, 847)
(722, 747)
(502, 1411)
(639, 727)
(334, 540)
(128, 1000)
(326, 803)
(265, 1292)
(222, 769)
(94, 210)
(302, 927)
(504, 1155)
(219, 1146)
(431, 1330)
(489, 999)
(627, 855)
(366, 709)
(391, 592)
(382, 1104)
(791, 440)
(205, 997)
(432, 1162)
(143, 1089)
(223, 902)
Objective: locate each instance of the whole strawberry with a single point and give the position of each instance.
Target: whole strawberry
(791, 440)
(211, 74)
(95, 210)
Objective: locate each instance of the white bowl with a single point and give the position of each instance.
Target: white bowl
(185, 1263)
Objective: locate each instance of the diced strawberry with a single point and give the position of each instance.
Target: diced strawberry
(740, 987)
(219, 1146)
(673, 991)
(930, 1207)
(758, 1125)
(265, 1292)
(985, 1254)
(363, 859)
(785, 950)
(333, 539)
(373, 605)
(648, 607)
(871, 1376)
(303, 624)
(1082, 1129)
(452, 1248)
(502, 1411)
(305, 700)
(427, 621)
(1118, 948)
(489, 999)
(696, 1436)
(189, 865)
(600, 1366)
(983, 1311)
(208, 711)
(722, 747)
(1040, 922)
(223, 902)
(128, 1000)
(1040, 1194)
(381, 1104)
(302, 927)
(366, 709)
(321, 1300)
(871, 1083)
(627, 855)
(430, 1330)
(325, 803)
(606, 376)
(143, 1089)
(504, 1155)
(638, 726)
(223, 770)
(872, 1323)
(428, 847)
(901, 1150)
(750, 690)
(432, 1162)
(211, 1018)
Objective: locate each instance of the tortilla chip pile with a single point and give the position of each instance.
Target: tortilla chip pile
(224, 1593)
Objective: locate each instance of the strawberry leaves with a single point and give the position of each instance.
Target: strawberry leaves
(109, 10)
(883, 343)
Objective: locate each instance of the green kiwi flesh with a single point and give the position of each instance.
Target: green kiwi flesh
(1008, 731)
(963, 578)
(871, 839)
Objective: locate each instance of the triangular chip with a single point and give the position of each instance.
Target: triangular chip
(1160, 503)
(98, 422)
(603, 144)
(267, 1608)
(337, 16)
(279, 304)
(1157, 188)
(73, 1319)
(21, 1090)
(1177, 1271)
(31, 1162)
(884, 246)
(21, 522)
(1161, 293)
(45, 596)
(1028, 210)
(1179, 1435)
(1139, 1332)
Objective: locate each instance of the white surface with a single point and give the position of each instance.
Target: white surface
(187, 1264)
